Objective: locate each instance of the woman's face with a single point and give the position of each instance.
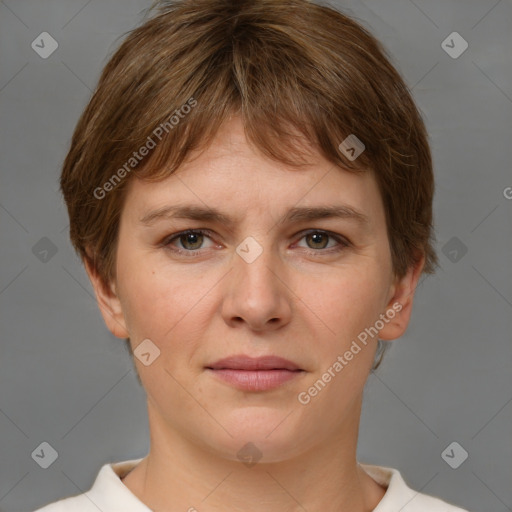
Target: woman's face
(266, 283)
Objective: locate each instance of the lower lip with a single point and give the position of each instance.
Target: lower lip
(256, 380)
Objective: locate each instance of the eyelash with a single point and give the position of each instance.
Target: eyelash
(166, 243)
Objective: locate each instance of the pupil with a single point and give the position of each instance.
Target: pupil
(191, 238)
(317, 238)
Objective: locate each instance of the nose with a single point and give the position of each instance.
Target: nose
(257, 293)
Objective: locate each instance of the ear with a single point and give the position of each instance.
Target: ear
(400, 303)
(108, 302)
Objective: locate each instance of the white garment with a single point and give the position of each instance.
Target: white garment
(109, 494)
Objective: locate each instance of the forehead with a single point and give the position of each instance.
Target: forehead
(233, 176)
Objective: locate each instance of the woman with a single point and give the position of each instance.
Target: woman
(250, 189)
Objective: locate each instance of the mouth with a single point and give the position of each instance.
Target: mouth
(255, 374)
(243, 362)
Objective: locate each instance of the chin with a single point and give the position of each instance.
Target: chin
(260, 434)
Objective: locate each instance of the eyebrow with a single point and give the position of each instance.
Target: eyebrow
(296, 214)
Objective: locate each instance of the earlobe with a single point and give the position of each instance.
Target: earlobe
(108, 302)
(399, 308)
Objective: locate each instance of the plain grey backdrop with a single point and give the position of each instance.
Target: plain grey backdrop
(65, 381)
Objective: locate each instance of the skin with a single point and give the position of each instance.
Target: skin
(297, 300)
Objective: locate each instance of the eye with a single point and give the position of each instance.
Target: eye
(318, 240)
(192, 240)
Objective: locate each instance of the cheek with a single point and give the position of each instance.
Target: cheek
(160, 306)
(345, 303)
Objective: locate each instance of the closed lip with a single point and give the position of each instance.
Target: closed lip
(244, 362)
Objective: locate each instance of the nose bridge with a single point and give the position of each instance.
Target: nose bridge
(256, 295)
(255, 265)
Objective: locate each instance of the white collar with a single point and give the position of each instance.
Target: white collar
(109, 494)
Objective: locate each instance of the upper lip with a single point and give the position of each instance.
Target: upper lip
(244, 362)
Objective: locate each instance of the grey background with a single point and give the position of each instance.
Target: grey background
(65, 380)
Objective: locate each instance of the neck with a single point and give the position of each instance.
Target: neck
(179, 475)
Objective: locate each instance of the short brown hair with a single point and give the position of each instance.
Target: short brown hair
(293, 70)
